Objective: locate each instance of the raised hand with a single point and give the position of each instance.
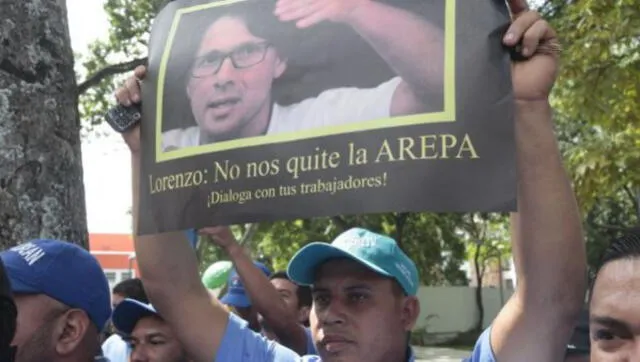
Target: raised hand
(219, 235)
(307, 13)
(126, 95)
(534, 77)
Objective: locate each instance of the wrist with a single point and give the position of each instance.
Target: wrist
(539, 112)
(233, 250)
(358, 14)
(533, 106)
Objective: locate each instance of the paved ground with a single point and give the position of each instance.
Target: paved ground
(433, 354)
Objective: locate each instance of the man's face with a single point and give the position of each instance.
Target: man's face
(152, 340)
(233, 102)
(289, 293)
(351, 304)
(36, 324)
(249, 314)
(615, 312)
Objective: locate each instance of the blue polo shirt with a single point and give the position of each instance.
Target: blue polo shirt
(242, 344)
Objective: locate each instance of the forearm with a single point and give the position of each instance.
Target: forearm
(265, 298)
(417, 56)
(163, 259)
(168, 269)
(548, 242)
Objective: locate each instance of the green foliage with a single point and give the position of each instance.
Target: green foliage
(597, 100)
(605, 221)
(487, 238)
(130, 24)
(431, 240)
(598, 94)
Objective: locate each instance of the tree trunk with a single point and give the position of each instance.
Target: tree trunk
(479, 276)
(41, 186)
(401, 221)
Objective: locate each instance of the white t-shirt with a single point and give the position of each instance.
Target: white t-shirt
(116, 349)
(331, 108)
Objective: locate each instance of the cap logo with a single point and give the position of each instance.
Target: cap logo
(30, 252)
(405, 272)
(235, 282)
(367, 241)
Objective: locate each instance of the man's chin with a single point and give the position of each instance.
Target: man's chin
(343, 355)
(220, 130)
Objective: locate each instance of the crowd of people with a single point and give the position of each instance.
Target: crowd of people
(353, 299)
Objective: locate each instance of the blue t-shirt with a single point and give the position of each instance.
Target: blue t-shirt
(482, 351)
(240, 343)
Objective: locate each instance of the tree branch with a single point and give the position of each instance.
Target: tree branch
(249, 232)
(340, 222)
(400, 220)
(612, 227)
(635, 199)
(108, 71)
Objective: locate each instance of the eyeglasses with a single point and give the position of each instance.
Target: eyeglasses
(244, 56)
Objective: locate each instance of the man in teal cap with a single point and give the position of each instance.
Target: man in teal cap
(364, 295)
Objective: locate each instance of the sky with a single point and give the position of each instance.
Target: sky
(105, 158)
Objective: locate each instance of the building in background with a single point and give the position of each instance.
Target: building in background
(116, 255)
(495, 271)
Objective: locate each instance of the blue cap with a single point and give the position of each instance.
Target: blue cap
(377, 252)
(129, 312)
(63, 271)
(236, 295)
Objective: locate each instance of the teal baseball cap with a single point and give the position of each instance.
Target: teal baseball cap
(377, 252)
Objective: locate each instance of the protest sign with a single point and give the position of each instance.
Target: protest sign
(260, 110)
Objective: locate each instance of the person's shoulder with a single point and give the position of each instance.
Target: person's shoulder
(240, 343)
(113, 339)
(180, 138)
(482, 351)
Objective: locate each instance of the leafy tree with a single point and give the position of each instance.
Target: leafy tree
(608, 219)
(430, 240)
(598, 94)
(488, 245)
(125, 48)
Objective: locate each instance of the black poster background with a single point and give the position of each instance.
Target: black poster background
(484, 111)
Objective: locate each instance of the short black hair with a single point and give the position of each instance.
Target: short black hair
(303, 292)
(132, 289)
(624, 247)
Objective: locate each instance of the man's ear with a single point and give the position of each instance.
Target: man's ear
(410, 312)
(70, 331)
(281, 66)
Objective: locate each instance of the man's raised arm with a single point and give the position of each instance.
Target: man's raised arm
(413, 47)
(264, 296)
(548, 245)
(168, 268)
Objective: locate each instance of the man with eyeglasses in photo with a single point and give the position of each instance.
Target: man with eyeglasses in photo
(229, 87)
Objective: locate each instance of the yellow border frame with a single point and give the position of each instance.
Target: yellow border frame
(448, 115)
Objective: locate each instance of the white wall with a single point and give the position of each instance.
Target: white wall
(454, 308)
(115, 276)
